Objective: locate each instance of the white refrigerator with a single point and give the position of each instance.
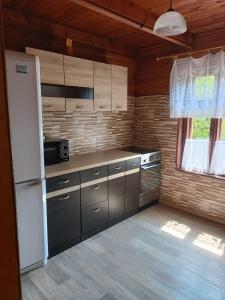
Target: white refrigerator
(25, 118)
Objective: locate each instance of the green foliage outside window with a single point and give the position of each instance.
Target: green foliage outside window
(204, 86)
(201, 128)
(223, 131)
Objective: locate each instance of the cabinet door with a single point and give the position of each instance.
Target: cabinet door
(102, 87)
(78, 72)
(116, 198)
(51, 65)
(52, 78)
(132, 192)
(64, 229)
(119, 88)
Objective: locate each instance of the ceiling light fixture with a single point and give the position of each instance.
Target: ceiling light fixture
(170, 23)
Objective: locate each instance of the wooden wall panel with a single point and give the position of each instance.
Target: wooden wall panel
(18, 39)
(197, 194)
(152, 77)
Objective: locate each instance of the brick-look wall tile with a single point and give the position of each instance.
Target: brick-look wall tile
(89, 132)
(198, 194)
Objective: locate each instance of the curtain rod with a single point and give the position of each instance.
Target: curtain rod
(189, 53)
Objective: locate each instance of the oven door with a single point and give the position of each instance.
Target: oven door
(149, 183)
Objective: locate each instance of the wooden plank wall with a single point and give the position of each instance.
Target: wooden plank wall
(17, 39)
(197, 194)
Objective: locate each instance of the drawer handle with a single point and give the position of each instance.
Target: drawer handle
(119, 106)
(64, 181)
(97, 187)
(96, 173)
(133, 164)
(79, 106)
(118, 168)
(96, 210)
(102, 106)
(64, 198)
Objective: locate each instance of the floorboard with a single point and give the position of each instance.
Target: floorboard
(159, 254)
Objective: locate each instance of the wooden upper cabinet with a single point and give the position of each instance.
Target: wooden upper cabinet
(51, 65)
(119, 88)
(102, 87)
(78, 72)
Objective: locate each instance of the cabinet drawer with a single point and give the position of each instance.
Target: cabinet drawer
(62, 182)
(94, 217)
(116, 168)
(53, 104)
(64, 226)
(94, 194)
(133, 163)
(93, 174)
(79, 105)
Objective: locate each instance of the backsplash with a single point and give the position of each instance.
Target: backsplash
(90, 131)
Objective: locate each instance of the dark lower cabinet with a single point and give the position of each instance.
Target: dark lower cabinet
(64, 224)
(94, 218)
(116, 199)
(132, 192)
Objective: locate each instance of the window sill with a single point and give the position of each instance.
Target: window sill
(202, 174)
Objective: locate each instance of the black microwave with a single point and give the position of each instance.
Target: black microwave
(56, 151)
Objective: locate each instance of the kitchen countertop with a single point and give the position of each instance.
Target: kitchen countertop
(79, 162)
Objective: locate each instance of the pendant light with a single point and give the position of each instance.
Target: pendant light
(170, 23)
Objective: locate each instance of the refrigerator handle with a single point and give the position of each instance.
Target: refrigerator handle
(31, 182)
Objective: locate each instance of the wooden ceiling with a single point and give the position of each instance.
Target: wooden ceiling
(202, 16)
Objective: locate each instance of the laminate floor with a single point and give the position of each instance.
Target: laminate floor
(160, 253)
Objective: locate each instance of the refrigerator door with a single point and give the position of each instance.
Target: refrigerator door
(24, 101)
(31, 211)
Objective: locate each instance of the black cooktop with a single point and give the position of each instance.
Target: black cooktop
(138, 150)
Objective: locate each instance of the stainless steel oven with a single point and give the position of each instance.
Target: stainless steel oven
(150, 181)
(149, 174)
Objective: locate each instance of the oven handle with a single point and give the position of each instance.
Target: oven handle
(144, 167)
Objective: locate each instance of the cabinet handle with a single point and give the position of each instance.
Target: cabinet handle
(119, 106)
(96, 210)
(48, 106)
(79, 106)
(102, 106)
(118, 168)
(133, 164)
(63, 181)
(64, 198)
(96, 173)
(97, 187)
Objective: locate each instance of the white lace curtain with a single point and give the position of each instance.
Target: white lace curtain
(196, 156)
(217, 166)
(197, 87)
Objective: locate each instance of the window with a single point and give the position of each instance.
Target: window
(204, 87)
(201, 145)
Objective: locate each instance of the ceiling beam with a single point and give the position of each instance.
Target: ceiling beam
(29, 23)
(133, 15)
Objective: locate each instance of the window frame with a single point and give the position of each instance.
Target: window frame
(184, 131)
